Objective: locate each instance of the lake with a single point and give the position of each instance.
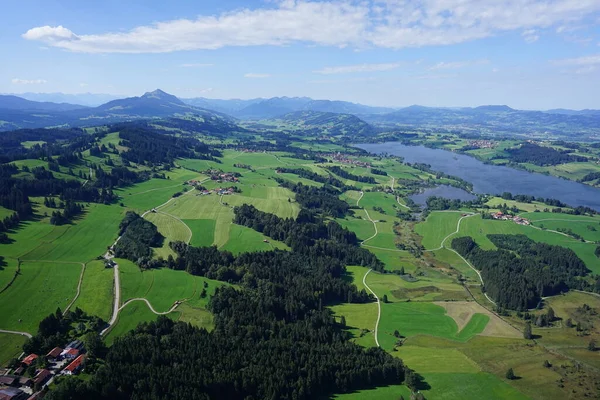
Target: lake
(493, 179)
(445, 191)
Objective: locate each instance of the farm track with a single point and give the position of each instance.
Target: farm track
(78, 287)
(108, 256)
(150, 305)
(369, 217)
(17, 333)
(378, 306)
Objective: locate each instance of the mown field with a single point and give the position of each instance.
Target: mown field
(97, 290)
(437, 227)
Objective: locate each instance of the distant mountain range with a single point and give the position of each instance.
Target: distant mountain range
(493, 119)
(85, 99)
(331, 116)
(18, 113)
(9, 102)
(258, 109)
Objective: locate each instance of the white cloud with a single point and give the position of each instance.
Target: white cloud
(192, 65)
(457, 64)
(579, 61)
(530, 36)
(354, 80)
(83, 85)
(252, 75)
(580, 65)
(18, 81)
(357, 23)
(358, 68)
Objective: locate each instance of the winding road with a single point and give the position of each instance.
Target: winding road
(378, 306)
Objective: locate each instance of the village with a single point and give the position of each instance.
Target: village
(507, 217)
(482, 144)
(27, 380)
(344, 159)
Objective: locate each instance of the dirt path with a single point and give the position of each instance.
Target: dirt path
(453, 233)
(368, 217)
(378, 306)
(117, 298)
(78, 288)
(17, 333)
(150, 305)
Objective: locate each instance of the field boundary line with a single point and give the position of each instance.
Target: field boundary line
(378, 306)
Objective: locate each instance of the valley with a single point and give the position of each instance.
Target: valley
(229, 236)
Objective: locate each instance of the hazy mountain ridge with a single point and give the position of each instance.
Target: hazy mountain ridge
(16, 112)
(10, 102)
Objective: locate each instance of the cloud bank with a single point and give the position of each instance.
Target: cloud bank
(393, 24)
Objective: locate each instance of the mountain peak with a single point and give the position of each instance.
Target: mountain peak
(157, 94)
(494, 108)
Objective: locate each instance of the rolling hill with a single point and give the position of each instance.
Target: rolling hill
(316, 123)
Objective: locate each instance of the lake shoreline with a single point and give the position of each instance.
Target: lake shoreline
(491, 179)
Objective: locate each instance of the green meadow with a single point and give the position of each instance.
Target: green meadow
(97, 290)
(437, 227)
(39, 290)
(10, 347)
(129, 318)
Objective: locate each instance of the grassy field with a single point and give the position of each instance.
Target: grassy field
(38, 291)
(97, 287)
(381, 393)
(10, 347)
(243, 239)
(82, 241)
(412, 319)
(162, 287)
(172, 229)
(203, 231)
(437, 226)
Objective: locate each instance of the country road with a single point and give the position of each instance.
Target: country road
(117, 299)
(378, 306)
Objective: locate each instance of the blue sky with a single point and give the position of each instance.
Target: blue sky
(531, 54)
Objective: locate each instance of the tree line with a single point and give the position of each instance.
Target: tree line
(348, 175)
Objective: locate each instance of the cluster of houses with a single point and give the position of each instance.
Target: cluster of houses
(218, 191)
(507, 217)
(221, 176)
(482, 144)
(67, 361)
(344, 159)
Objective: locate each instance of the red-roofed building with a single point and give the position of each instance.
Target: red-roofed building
(41, 376)
(29, 359)
(54, 354)
(69, 354)
(75, 366)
